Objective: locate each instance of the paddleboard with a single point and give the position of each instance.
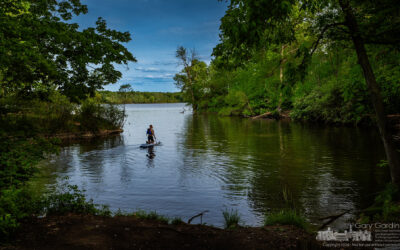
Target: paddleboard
(150, 145)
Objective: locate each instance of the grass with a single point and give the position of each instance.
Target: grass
(286, 217)
(152, 215)
(232, 219)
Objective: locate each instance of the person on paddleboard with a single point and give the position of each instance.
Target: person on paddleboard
(150, 135)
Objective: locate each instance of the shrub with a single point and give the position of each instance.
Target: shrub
(89, 114)
(54, 115)
(322, 104)
(232, 218)
(71, 200)
(94, 116)
(114, 115)
(15, 204)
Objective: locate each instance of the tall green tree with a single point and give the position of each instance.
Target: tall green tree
(192, 77)
(352, 24)
(41, 48)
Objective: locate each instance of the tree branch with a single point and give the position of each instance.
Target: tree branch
(197, 215)
(321, 35)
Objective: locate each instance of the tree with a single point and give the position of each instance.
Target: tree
(41, 49)
(363, 22)
(391, 152)
(192, 75)
(125, 88)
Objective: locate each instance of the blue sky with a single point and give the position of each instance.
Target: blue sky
(157, 28)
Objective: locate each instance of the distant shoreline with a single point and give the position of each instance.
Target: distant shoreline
(134, 97)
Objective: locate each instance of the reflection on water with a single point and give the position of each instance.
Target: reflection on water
(215, 163)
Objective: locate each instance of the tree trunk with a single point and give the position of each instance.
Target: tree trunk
(390, 147)
(194, 106)
(279, 108)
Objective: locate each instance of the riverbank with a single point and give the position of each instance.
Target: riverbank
(393, 119)
(128, 232)
(86, 135)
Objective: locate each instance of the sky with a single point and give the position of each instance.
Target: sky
(157, 28)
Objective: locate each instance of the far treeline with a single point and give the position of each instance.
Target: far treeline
(124, 97)
(329, 61)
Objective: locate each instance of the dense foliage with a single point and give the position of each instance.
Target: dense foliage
(269, 67)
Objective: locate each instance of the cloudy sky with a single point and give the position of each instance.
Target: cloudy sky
(157, 28)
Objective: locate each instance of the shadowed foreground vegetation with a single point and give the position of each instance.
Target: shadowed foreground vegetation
(65, 219)
(29, 133)
(129, 232)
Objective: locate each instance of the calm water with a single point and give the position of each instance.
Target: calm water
(215, 163)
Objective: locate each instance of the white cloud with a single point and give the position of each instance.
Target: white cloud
(149, 69)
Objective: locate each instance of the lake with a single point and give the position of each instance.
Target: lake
(208, 162)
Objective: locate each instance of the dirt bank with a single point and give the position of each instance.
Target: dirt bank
(94, 232)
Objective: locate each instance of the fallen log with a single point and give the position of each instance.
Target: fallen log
(265, 115)
(282, 115)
